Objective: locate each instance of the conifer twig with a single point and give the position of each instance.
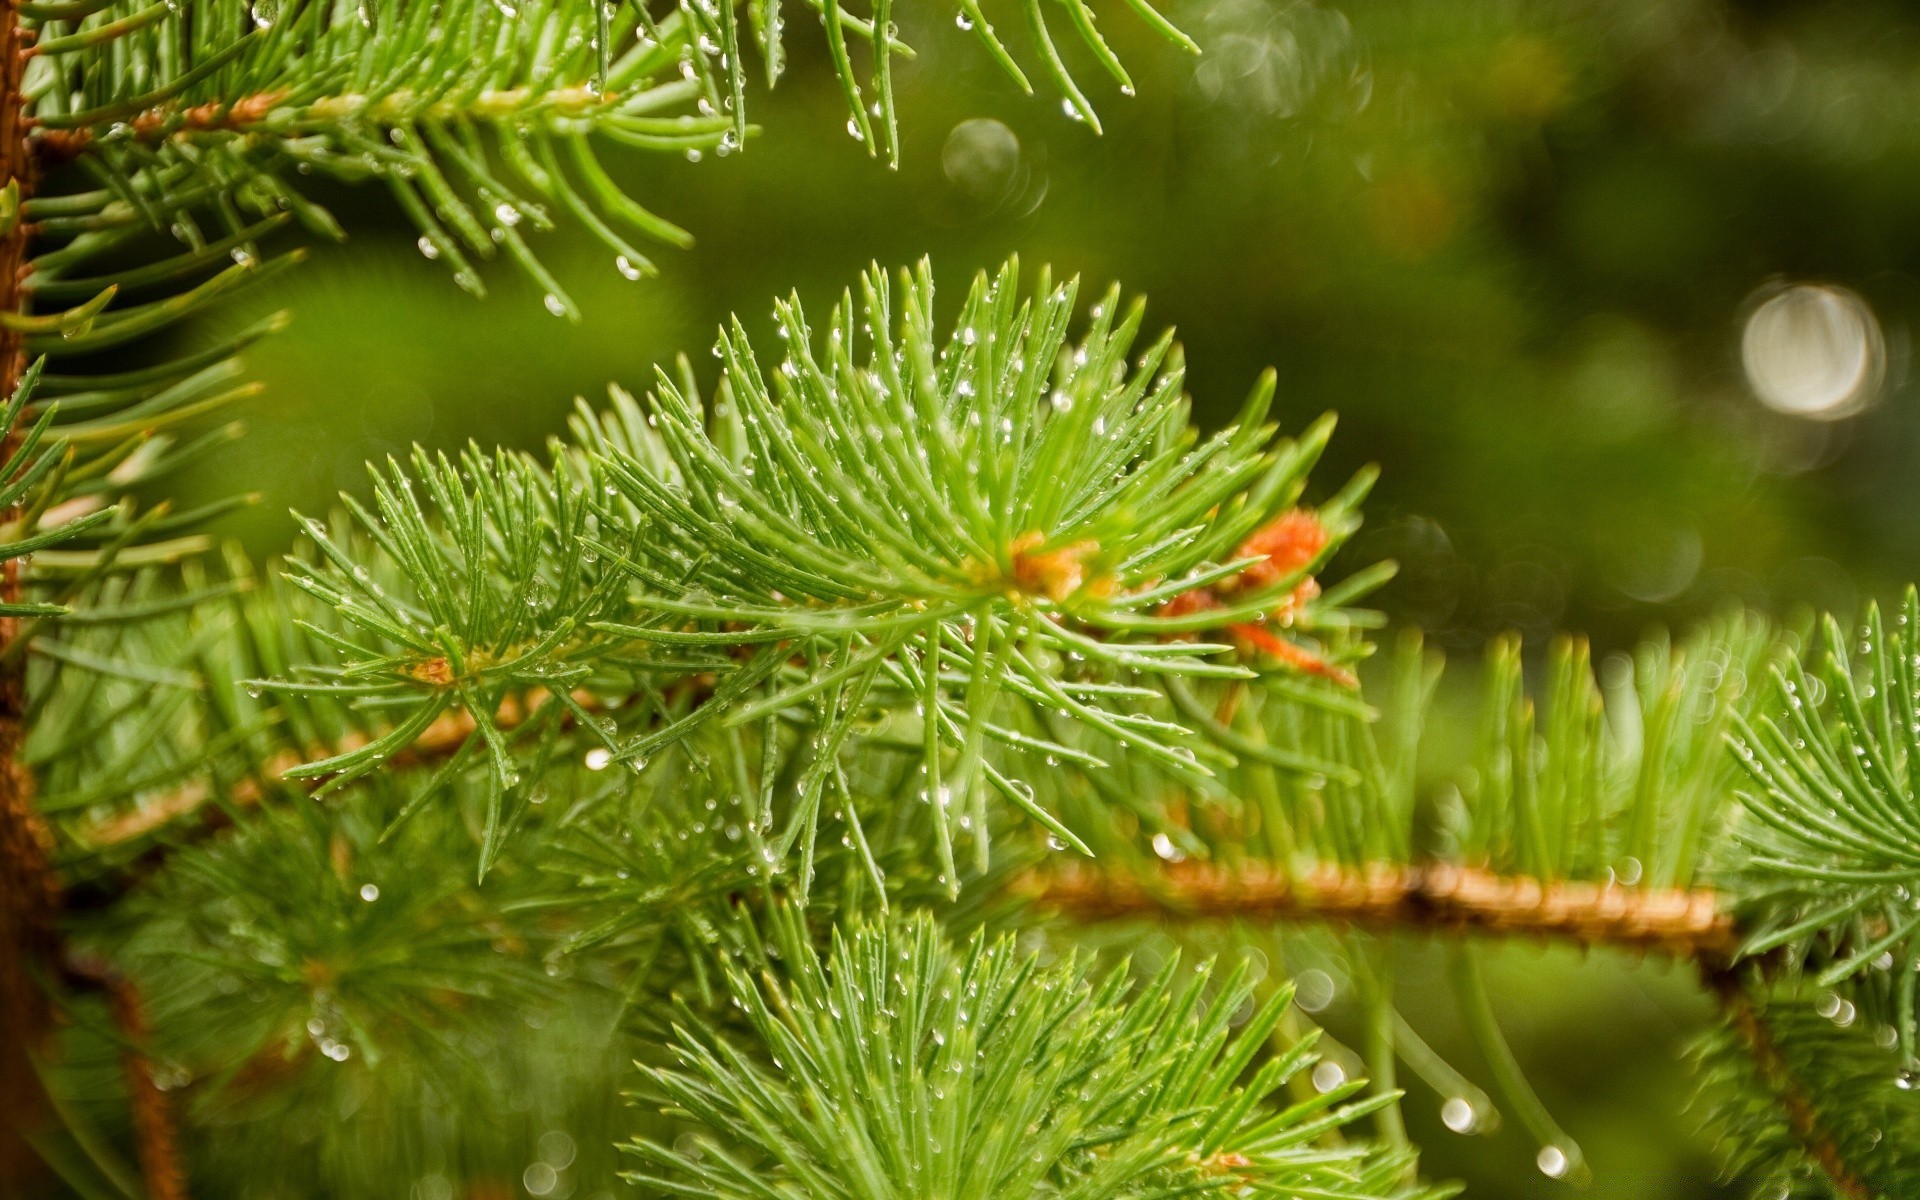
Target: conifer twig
(251, 112)
(1777, 1074)
(437, 742)
(62, 145)
(1686, 923)
(440, 739)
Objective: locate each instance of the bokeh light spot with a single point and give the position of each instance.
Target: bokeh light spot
(1813, 350)
(981, 159)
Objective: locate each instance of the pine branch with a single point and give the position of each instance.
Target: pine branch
(1597, 816)
(476, 115)
(1828, 859)
(1685, 923)
(904, 1067)
(1578, 814)
(301, 961)
(1730, 988)
(435, 744)
(1022, 501)
(202, 808)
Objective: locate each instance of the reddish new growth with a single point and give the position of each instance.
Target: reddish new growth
(1281, 548)
(59, 145)
(1055, 574)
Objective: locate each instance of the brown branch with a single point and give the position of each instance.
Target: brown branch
(29, 888)
(438, 740)
(251, 112)
(155, 1140)
(1683, 923)
(193, 803)
(1777, 1074)
(62, 145)
(1688, 924)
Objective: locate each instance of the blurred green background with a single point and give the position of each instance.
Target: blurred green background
(1558, 265)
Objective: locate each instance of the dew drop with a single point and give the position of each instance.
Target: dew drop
(369, 892)
(625, 266)
(1553, 1162)
(1458, 1115)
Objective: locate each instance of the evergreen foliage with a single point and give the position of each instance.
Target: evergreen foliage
(1828, 859)
(902, 1068)
(940, 527)
(740, 736)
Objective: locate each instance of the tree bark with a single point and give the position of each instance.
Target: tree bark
(29, 888)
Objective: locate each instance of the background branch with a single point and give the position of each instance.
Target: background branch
(155, 1137)
(1730, 989)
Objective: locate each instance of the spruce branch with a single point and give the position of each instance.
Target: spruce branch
(479, 117)
(1773, 1070)
(932, 528)
(313, 942)
(1829, 855)
(1594, 807)
(1576, 799)
(902, 1066)
(203, 807)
